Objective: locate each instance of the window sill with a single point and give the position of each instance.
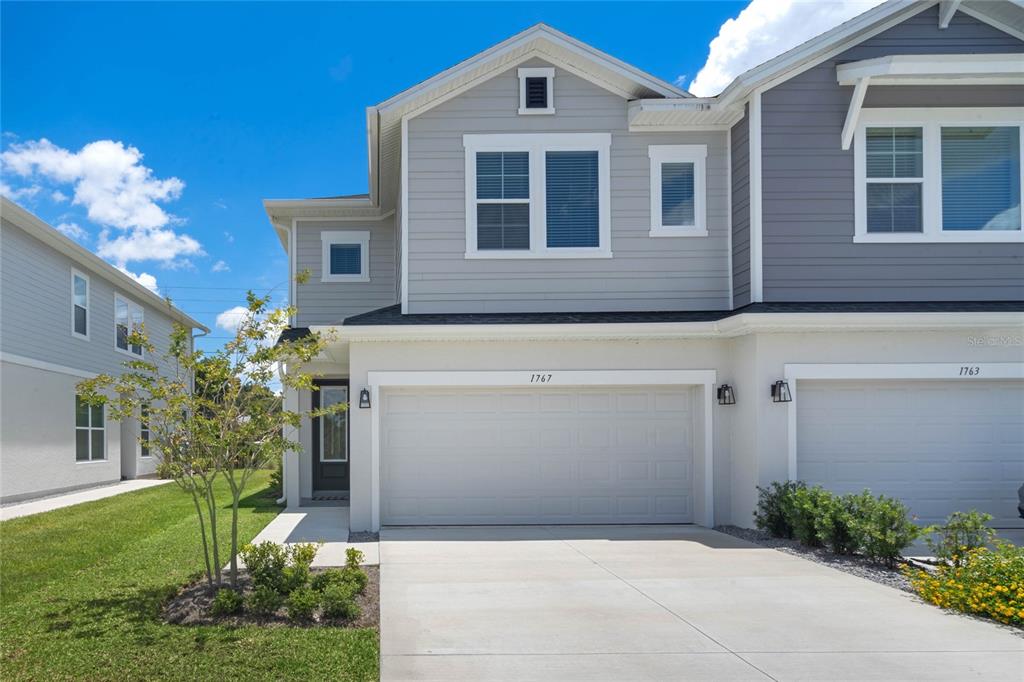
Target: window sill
(91, 461)
(965, 237)
(535, 112)
(83, 337)
(335, 279)
(660, 231)
(137, 356)
(550, 254)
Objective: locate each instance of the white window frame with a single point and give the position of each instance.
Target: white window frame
(132, 306)
(931, 122)
(348, 399)
(347, 238)
(538, 145)
(88, 312)
(696, 154)
(537, 72)
(89, 429)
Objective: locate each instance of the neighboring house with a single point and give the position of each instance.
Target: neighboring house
(566, 269)
(65, 316)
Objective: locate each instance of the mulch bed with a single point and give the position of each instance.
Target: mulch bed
(191, 606)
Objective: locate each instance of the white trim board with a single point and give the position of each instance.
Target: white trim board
(529, 378)
(967, 372)
(44, 365)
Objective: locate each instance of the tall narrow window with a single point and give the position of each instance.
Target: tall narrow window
(503, 200)
(895, 178)
(79, 304)
(678, 179)
(90, 435)
(573, 212)
(144, 430)
(128, 317)
(981, 178)
(334, 427)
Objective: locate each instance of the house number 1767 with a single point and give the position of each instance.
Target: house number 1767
(540, 378)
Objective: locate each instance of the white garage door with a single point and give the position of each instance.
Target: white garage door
(939, 446)
(553, 455)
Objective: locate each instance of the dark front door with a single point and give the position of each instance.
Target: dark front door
(330, 439)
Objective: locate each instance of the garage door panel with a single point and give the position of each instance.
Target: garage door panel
(939, 446)
(580, 455)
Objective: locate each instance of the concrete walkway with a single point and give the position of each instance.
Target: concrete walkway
(656, 603)
(45, 504)
(328, 525)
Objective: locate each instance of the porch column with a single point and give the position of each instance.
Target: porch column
(291, 458)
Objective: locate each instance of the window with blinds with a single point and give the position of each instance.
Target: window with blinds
(677, 194)
(981, 178)
(895, 177)
(503, 200)
(345, 256)
(572, 211)
(346, 259)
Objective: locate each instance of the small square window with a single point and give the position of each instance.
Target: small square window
(345, 256)
(536, 90)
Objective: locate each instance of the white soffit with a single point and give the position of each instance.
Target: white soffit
(937, 68)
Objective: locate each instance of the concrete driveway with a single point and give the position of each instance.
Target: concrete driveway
(656, 603)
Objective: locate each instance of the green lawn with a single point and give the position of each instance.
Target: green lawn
(81, 589)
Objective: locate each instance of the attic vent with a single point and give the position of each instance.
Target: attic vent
(537, 93)
(536, 90)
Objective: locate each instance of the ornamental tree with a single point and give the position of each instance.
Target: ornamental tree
(215, 415)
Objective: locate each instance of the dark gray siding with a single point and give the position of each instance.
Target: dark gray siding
(740, 135)
(808, 214)
(331, 302)
(689, 273)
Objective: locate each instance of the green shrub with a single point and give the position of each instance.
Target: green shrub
(887, 529)
(836, 521)
(302, 604)
(332, 576)
(986, 582)
(226, 602)
(293, 578)
(774, 508)
(356, 577)
(277, 478)
(962, 532)
(266, 563)
(302, 554)
(264, 601)
(338, 601)
(353, 557)
(803, 513)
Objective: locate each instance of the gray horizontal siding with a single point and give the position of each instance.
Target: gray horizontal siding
(331, 302)
(740, 136)
(808, 215)
(35, 306)
(644, 274)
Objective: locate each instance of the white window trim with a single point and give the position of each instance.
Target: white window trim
(537, 145)
(88, 312)
(344, 460)
(930, 121)
(360, 237)
(132, 305)
(538, 72)
(89, 429)
(696, 154)
(144, 426)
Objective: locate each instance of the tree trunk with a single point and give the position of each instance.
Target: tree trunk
(211, 503)
(202, 534)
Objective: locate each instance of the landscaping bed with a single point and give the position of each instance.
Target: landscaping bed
(192, 606)
(850, 563)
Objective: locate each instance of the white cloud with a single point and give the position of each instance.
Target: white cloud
(145, 279)
(117, 191)
(766, 29)
(72, 230)
(229, 237)
(16, 193)
(230, 319)
(147, 244)
(220, 266)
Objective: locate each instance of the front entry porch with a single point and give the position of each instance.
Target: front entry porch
(324, 523)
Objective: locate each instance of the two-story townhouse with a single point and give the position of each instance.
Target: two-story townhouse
(66, 315)
(577, 294)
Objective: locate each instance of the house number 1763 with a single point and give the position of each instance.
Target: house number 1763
(540, 378)
(969, 371)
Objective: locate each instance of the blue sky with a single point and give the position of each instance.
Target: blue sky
(246, 101)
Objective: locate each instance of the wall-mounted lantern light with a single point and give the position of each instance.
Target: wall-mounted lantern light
(364, 399)
(726, 396)
(780, 392)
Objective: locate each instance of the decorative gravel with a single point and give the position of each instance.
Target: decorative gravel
(363, 536)
(857, 565)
